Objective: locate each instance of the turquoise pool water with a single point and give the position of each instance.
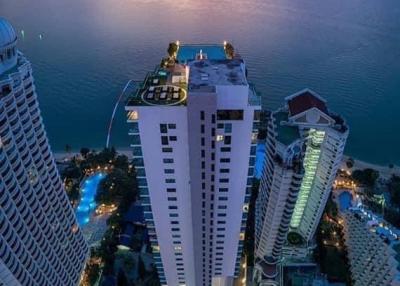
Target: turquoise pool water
(87, 203)
(189, 52)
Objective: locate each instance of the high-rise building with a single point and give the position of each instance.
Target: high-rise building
(373, 248)
(194, 128)
(40, 242)
(305, 144)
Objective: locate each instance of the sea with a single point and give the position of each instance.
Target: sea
(84, 51)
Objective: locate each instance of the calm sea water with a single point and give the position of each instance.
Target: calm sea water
(346, 50)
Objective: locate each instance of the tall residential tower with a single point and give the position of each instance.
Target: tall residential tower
(194, 128)
(305, 143)
(40, 242)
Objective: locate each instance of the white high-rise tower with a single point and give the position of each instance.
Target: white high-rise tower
(305, 144)
(40, 242)
(194, 129)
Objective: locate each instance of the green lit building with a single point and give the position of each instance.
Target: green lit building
(305, 143)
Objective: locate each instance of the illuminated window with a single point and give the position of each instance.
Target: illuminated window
(133, 115)
(219, 138)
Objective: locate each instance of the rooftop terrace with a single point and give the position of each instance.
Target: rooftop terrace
(286, 134)
(216, 72)
(164, 86)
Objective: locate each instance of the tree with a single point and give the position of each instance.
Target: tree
(394, 189)
(121, 278)
(84, 151)
(229, 50)
(365, 177)
(141, 268)
(172, 49)
(350, 163)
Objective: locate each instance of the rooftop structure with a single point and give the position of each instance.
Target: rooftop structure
(194, 158)
(164, 86)
(216, 72)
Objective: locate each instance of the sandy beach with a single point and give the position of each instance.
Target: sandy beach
(384, 171)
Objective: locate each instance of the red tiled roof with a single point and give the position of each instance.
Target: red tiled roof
(305, 101)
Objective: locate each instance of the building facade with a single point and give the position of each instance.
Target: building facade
(194, 129)
(373, 249)
(305, 144)
(40, 242)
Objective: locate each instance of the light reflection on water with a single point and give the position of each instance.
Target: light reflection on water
(345, 50)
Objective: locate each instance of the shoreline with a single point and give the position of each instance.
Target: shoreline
(384, 171)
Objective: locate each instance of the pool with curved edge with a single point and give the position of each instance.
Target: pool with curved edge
(87, 203)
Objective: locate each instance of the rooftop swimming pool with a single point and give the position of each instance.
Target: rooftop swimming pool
(87, 203)
(189, 52)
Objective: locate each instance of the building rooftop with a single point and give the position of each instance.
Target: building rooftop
(216, 72)
(192, 52)
(286, 134)
(305, 100)
(163, 86)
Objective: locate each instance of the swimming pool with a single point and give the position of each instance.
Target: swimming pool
(189, 52)
(345, 200)
(260, 155)
(87, 203)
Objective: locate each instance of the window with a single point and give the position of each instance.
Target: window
(224, 170)
(223, 189)
(230, 114)
(169, 181)
(168, 160)
(136, 139)
(172, 138)
(171, 190)
(224, 180)
(164, 140)
(172, 199)
(227, 140)
(202, 128)
(167, 149)
(169, 171)
(172, 207)
(219, 138)
(163, 128)
(202, 115)
(228, 127)
(137, 151)
(225, 149)
(202, 141)
(171, 126)
(225, 160)
(213, 118)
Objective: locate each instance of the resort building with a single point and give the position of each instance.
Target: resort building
(193, 124)
(304, 147)
(40, 242)
(373, 248)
